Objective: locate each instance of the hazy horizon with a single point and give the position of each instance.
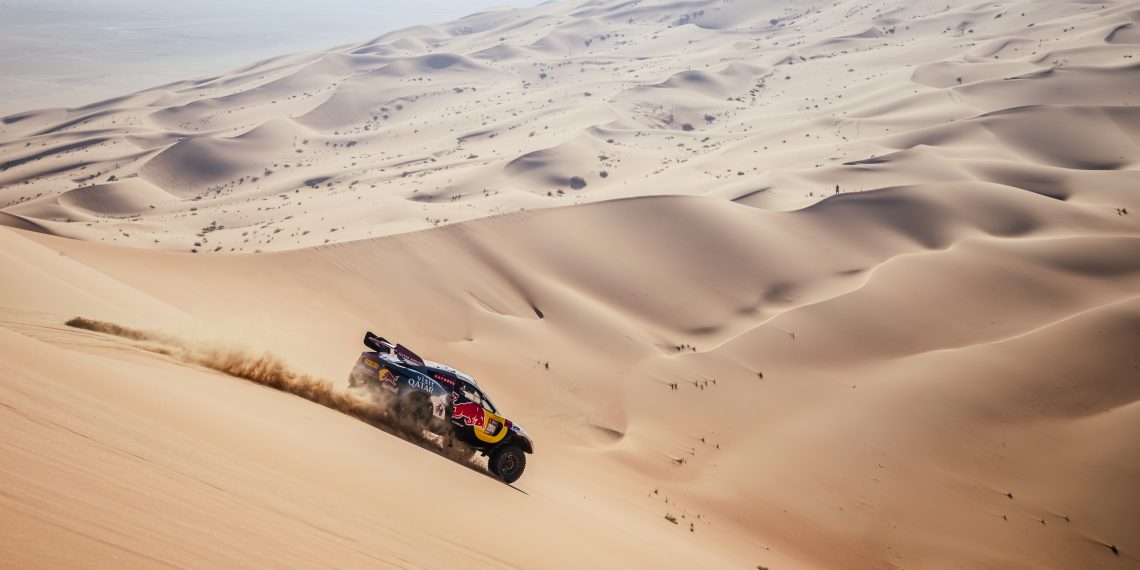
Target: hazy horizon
(68, 53)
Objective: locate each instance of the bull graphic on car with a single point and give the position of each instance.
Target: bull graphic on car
(471, 413)
(443, 400)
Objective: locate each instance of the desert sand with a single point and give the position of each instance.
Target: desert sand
(829, 284)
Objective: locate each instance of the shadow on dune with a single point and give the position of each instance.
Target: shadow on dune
(368, 405)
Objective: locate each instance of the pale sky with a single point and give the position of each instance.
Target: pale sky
(74, 52)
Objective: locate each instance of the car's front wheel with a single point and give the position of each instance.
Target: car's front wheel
(507, 463)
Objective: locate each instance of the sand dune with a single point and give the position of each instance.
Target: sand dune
(714, 98)
(830, 285)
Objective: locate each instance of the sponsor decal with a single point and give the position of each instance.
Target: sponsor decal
(408, 356)
(388, 380)
(471, 413)
(371, 363)
(439, 406)
(444, 379)
(421, 384)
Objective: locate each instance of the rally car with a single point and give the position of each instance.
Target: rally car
(443, 400)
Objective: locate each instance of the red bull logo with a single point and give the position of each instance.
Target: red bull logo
(471, 413)
(388, 380)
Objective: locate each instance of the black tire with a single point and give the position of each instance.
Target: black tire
(508, 463)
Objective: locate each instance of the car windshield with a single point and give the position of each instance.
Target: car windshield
(473, 394)
(488, 405)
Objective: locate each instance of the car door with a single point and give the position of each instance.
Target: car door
(470, 410)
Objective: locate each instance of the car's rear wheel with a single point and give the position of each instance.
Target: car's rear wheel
(507, 463)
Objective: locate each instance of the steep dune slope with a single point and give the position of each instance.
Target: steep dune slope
(834, 367)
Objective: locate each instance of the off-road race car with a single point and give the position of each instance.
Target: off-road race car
(444, 401)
